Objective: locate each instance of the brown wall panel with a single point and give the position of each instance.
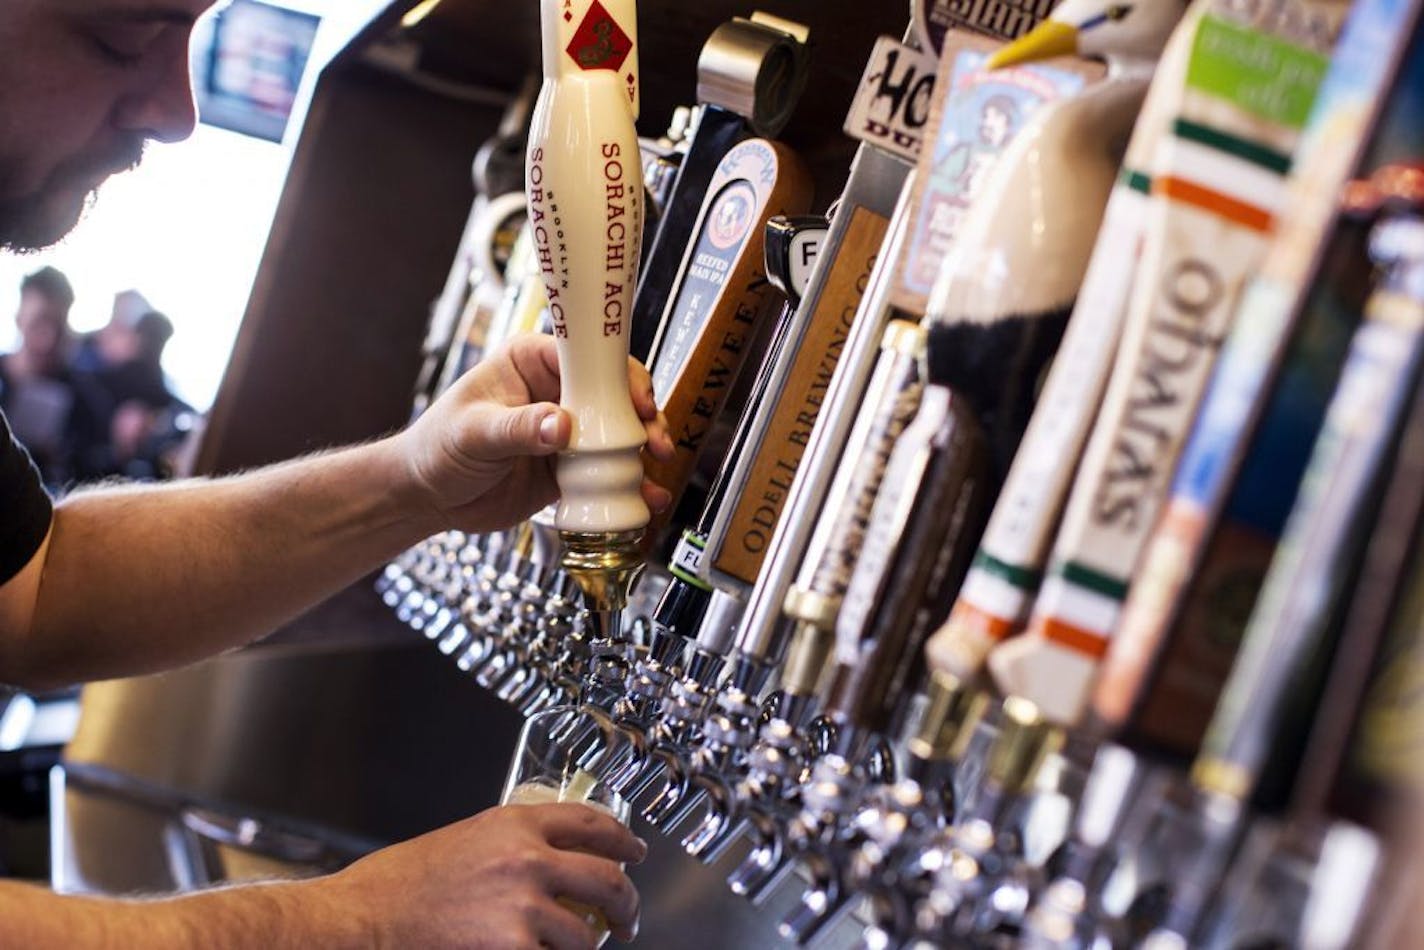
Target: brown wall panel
(364, 234)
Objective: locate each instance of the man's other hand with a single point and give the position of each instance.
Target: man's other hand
(496, 881)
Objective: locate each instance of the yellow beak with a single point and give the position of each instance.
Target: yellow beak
(1045, 41)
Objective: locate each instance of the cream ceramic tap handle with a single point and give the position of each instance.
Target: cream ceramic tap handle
(585, 184)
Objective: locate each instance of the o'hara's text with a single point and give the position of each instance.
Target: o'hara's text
(1184, 329)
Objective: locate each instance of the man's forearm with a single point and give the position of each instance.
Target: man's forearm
(141, 578)
(257, 916)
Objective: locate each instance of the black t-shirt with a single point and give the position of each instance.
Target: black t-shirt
(25, 507)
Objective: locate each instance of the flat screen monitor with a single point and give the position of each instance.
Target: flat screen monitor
(254, 67)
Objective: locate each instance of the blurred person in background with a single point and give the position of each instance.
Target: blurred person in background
(114, 342)
(146, 423)
(56, 413)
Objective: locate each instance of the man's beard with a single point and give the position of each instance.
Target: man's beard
(43, 217)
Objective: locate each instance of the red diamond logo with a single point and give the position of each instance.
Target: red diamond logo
(568, 16)
(599, 42)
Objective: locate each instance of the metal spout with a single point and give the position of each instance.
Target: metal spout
(604, 564)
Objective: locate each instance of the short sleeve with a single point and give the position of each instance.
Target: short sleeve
(25, 507)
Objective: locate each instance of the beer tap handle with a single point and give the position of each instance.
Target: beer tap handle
(1258, 730)
(714, 313)
(750, 75)
(685, 602)
(585, 185)
(791, 248)
(913, 556)
(891, 400)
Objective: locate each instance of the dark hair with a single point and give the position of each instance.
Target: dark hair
(153, 330)
(52, 283)
(154, 326)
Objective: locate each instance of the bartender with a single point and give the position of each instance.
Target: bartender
(127, 580)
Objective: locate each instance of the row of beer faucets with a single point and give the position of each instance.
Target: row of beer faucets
(881, 660)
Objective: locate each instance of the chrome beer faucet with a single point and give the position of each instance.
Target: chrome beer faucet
(722, 769)
(766, 801)
(897, 820)
(716, 768)
(820, 843)
(1069, 912)
(678, 701)
(979, 861)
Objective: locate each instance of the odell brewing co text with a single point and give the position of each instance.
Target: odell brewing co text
(763, 521)
(799, 406)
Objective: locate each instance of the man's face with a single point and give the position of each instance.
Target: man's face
(42, 322)
(83, 85)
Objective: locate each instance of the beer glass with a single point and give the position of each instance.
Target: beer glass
(545, 770)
